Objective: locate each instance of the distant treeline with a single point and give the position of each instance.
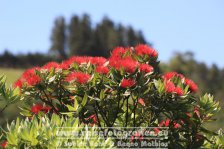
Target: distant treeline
(80, 37)
(8, 59)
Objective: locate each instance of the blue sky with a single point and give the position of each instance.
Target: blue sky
(174, 25)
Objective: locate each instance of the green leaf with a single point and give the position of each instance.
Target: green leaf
(76, 104)
(102, 95)
(84, 100)
(70, 108)
(25, 112)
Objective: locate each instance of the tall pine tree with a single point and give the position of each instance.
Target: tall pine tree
(80, 35)
(83, 39)
(58, 37)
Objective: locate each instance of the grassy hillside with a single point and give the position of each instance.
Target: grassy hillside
(11, 74)
(12, 111)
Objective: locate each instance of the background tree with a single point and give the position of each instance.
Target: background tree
(58, 37)
(84, 39)
(106, 37)
(80, 35)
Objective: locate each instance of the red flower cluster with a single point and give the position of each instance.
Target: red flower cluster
(87, 59)
(102, 69)
(29, 77)
(79, 77)
(128, 64)
(179, 91)
(121, 59)
(4, 144)
(170, 75)
(146, 68)
(125, 83)
(18, 83)
(171, 88)
(98, 60)
(193, 87)
(50, 65)
(142, 49)
(39, 107)
(119, 52)
(166, 123)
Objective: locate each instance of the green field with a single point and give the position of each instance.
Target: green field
(11, 74)
(12, 111)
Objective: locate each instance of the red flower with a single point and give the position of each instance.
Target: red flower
(79, 59)
(176, 125)
(118, 52)
(93, 119)
(65, 64)
(98, 60)
(30, 77)
(46, 109)
(50, 65)
(179, 91)
(102, 69)
(196, 111)
(125, 83)
(4, 144)
(170, 87)
(166, 123)
(79, 77)
(156, 130)
(145, 68)
(141, 101)
(33, 80)
(39, 107)
(127, 63)
(36, 108)
(193, 87)
(85, 59)
(169, 75)
(18, 83)
(188, 114)
(142, 49)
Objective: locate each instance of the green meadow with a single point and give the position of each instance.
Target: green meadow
(11, 74)
(12, 111)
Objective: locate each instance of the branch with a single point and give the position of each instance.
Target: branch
(4, 108)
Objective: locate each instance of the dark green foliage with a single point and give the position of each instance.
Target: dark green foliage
(58, 37)
(24, 60)
(80, 35)
(84, 39)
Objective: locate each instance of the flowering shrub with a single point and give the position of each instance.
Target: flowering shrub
(125, 90)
